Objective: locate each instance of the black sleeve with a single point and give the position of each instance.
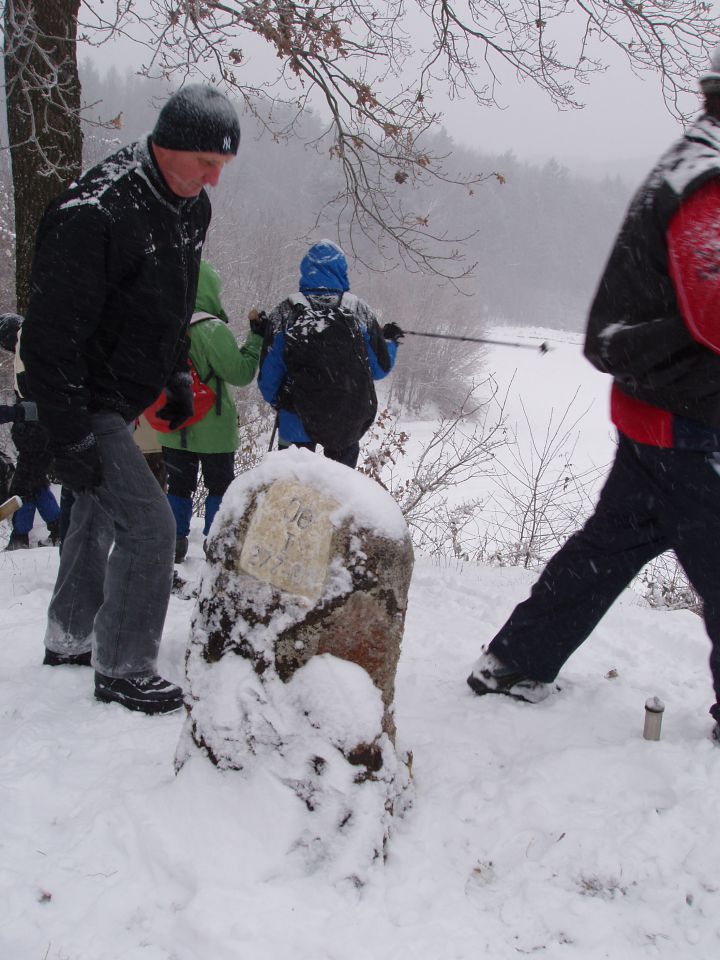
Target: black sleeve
(68, 289)
(378, 343)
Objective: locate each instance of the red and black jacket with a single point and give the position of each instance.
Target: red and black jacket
(655, 321)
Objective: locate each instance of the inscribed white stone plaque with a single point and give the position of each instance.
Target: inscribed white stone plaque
(288, 539)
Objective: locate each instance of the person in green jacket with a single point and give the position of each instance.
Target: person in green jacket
(212, 441)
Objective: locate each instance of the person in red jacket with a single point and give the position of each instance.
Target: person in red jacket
(654, 326)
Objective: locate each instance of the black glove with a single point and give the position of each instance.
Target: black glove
(179, 404)
(26, 412)
(283, 398)
(10, 324)
(259, 323)
(391, 331)
(79, 466)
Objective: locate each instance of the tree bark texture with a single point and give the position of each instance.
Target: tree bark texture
(43, 114)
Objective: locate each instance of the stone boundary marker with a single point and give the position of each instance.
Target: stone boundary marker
(309, 567)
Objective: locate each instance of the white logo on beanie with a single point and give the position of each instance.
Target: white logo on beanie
(226, 143)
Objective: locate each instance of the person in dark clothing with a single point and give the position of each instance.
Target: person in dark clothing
(113, 287)
(304, 347)
(30, 478)
(654, 327)
(31, 482)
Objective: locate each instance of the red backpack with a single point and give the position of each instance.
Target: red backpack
(204, 397)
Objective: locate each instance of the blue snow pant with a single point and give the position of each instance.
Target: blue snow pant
(653, 500)
(45, 503)
(218, 470)
(115, 601)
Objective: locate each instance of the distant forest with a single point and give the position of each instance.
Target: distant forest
(537, 236)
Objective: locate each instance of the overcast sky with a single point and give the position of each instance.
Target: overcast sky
(623, 127)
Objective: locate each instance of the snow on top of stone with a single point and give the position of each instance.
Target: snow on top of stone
(361, 498)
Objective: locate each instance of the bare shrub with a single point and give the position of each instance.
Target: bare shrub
(462, 447)
(540, 497)
(665, 585)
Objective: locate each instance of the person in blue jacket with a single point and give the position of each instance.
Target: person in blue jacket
(325, 350)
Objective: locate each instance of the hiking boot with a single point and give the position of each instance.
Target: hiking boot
(53, 537)
(53, 659)
(18, 541)
(147, 694)
(181, 549)
(489, 675)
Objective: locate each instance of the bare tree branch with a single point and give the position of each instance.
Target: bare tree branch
(373, 70)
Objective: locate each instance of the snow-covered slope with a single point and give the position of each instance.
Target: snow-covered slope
(552, 829)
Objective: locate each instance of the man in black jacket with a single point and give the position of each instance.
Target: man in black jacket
(113, 288)
(654, 326)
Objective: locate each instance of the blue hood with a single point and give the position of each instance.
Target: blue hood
(324, 267)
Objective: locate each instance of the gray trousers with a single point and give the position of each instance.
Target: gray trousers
(113, 585)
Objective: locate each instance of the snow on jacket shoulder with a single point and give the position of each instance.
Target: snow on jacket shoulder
(380, 352)
(638, 328)
(112, 290)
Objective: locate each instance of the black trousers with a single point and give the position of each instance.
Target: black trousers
(347, 455)
(653, 500)
(218, 470)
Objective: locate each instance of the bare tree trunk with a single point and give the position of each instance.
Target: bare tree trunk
(43, 114)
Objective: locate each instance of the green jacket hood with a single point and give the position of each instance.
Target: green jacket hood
(208, 292)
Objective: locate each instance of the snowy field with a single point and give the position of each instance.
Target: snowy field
(551, 830)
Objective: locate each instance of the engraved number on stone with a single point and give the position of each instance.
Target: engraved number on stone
(299, 514)
(260, 555)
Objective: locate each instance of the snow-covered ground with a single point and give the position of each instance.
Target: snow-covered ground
(553, 830)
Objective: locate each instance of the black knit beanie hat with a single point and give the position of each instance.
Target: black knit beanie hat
(198, 118)
(710, 80)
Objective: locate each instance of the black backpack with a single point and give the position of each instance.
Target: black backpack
(329, 383)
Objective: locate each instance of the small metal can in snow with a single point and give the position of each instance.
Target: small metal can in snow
(654, 708)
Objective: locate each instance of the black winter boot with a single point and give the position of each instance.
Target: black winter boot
(489, 675)
(18, 541)
(181, 549)
(53, 537)
(147, 694)
(53, 659)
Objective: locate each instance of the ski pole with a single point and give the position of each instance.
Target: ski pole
(543, 348)
(274, 431)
